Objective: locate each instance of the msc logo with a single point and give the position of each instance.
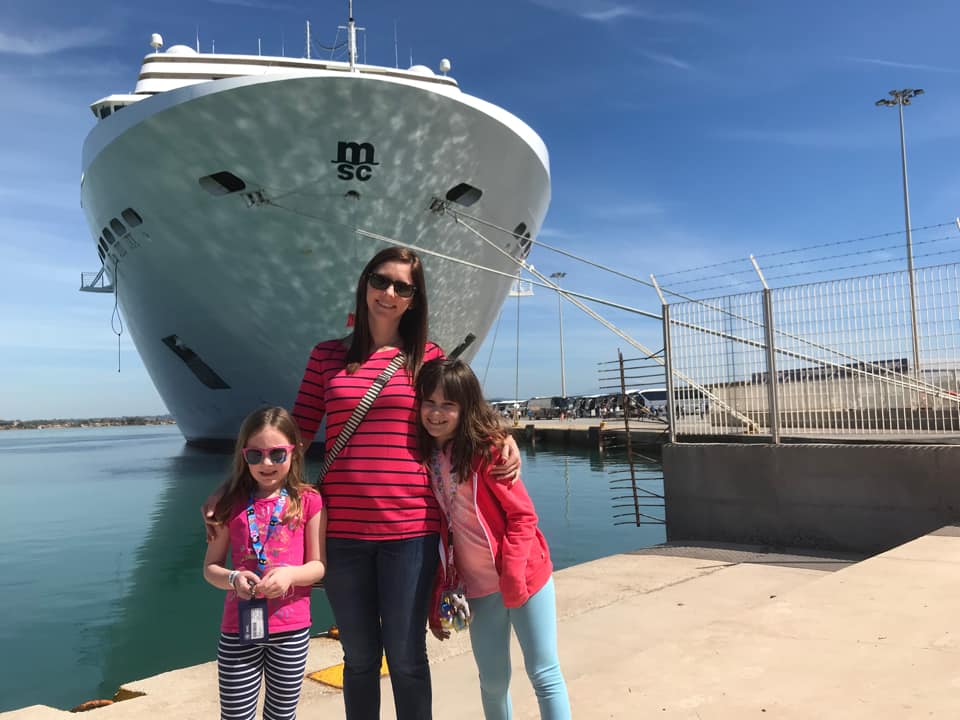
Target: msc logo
(354, 160)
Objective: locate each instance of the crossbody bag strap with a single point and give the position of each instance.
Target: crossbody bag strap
(366, 402)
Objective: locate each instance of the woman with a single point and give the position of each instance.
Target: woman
(383, 521)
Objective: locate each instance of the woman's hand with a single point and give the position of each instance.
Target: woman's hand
(276, 583)
(508, 469)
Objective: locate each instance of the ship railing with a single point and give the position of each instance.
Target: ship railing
(95, 282)
(832, 360)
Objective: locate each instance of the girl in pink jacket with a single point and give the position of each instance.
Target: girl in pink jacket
(502, 560)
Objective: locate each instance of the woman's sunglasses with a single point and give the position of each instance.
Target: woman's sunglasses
(277, 455)
(382, 282)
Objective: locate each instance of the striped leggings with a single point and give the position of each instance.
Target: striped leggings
(283, 659)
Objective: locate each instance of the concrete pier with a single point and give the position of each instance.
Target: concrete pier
(708, 632)
(586, 432)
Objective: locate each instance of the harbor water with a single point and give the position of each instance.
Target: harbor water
(102, 564)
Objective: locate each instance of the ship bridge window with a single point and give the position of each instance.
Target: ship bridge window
(102, 255)
(132, 217)
(105, 111)
(108, 236)
(464, 194)
(222, 183)
(118, 227)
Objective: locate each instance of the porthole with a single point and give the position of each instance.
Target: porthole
(131, 217)
(222, 183)
(464, 194)
(108, 236)
(118, 227)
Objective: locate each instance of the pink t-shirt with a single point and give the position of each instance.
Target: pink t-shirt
(286, 546)
(471, 553)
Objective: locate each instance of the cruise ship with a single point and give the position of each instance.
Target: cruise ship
(234, 199)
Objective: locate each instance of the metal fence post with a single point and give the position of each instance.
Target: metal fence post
(668, 368)
(773, 409)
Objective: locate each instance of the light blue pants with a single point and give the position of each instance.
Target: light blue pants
(536, 627)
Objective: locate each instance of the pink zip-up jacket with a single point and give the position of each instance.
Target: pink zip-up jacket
(519, 549)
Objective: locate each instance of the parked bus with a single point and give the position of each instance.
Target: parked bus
(545, 408)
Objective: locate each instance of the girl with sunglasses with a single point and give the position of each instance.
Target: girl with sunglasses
(502, 563)
(383, 529)
(273, 526)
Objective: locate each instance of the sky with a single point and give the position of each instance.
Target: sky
(681, 135)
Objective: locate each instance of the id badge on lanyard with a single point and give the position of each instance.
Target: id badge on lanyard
(254, 620)
(253, 614)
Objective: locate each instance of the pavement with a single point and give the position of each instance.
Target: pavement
(705, 632)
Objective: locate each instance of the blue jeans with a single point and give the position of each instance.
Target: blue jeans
(379, 592)
(536, 626)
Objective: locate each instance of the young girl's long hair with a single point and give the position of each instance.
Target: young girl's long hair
(242, 485)
(479, 429)
(413, 323)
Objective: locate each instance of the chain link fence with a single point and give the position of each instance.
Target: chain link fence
(832, 359)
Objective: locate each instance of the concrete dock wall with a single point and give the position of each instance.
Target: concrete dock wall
(858, 498)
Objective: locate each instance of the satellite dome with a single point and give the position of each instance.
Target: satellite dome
(420, 70)
(181, 50)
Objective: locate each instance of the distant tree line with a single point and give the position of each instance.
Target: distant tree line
(85, 422)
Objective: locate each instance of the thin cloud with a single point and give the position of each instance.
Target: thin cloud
(905, 66)
(49, 42)
(549, 233)
(604, 11)
(627, 210)
(664, 59)
(261, 4)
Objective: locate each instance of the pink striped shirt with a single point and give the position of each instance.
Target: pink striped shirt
(376, 489)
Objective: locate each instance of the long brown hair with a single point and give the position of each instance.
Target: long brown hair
(241, 484)
(479, 428)
(413, 323)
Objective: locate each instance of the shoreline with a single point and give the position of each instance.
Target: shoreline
(65, 423)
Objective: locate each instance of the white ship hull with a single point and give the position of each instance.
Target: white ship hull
(225, 295)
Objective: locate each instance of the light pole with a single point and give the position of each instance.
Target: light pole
(899, 98)
(558, 276)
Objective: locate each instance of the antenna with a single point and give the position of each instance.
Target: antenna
(396, 49)
(283, 45)
(352, 39)
(213, 46)
(198, 39)
(258, 47)
(308, 39)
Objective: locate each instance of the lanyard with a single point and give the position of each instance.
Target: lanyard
(258, 546)
(447, 488)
